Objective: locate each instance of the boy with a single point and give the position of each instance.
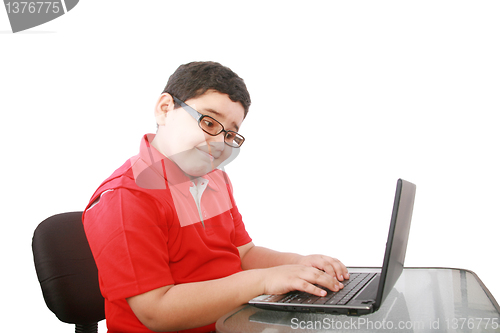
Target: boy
(169, 243)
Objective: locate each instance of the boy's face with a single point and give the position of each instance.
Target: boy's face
(180, 138)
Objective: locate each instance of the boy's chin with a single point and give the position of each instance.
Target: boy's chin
(198, 171)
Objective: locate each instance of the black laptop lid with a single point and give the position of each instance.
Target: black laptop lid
(399, 230)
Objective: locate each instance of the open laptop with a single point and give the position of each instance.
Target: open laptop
(364, 292)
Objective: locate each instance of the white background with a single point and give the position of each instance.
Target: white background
(347, 98)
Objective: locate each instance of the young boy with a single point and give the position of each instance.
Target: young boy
(169, 243)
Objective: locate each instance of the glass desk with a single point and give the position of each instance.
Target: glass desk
(423, 300)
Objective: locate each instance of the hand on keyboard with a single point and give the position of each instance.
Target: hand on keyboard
(285, 278)
(327, 264)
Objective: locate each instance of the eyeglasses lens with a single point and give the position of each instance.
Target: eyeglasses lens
(210, 125)
(213, 127)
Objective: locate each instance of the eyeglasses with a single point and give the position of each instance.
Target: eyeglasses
(212, 127)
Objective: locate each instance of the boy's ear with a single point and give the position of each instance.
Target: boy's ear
(164, 104)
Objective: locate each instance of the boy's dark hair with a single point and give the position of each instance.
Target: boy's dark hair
(194, 79)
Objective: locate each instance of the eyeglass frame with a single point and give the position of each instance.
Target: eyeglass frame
(199, 116)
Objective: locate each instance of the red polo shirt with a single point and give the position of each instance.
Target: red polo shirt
(146, 230)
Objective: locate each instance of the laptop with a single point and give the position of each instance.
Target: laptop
(364, 292)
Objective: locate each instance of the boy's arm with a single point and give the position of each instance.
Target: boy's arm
(253, 257)
(190, 305)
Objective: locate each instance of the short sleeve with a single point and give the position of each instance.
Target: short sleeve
(241, 236)
(127, 232)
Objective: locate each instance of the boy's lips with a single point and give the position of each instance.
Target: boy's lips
(210, 156)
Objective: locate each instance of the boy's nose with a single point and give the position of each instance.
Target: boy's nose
(218, 138)
(217, 144)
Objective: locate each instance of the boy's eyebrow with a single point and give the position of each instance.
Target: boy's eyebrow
(220, 115)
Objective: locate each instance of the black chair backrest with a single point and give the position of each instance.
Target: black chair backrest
(67, 271)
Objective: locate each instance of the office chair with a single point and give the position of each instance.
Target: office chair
(67, 271)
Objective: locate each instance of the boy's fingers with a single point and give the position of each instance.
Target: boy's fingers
(339, 270)
(326, 280)
(335, 268)
(329, 269)
(311, 289)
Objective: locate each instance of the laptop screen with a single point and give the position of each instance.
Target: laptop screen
(399, 231)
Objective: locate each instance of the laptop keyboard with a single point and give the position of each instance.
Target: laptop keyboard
(352, 286)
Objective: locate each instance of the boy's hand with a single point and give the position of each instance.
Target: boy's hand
(327, 264)
(285, 278)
